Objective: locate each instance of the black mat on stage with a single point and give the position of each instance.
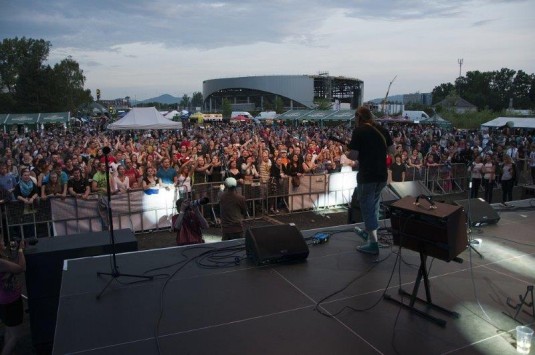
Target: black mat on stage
(248, 309)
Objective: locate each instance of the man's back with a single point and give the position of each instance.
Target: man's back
(233, 210)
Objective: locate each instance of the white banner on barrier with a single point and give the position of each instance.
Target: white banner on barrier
(137, 210)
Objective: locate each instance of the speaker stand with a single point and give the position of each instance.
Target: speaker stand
(422, 274)
(471, 241)
(524, 301)
(114, 273)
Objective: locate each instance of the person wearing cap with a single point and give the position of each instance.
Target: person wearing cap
(370, 144)
(232, 211)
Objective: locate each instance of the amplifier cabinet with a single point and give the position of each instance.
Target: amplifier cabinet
(437, 232)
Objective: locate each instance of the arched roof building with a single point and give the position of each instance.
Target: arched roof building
(296, 91)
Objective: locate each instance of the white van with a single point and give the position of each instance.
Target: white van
(415, 115)
(235, 114)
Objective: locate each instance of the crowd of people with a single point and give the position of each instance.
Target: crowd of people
(57, 163)
(60, 163)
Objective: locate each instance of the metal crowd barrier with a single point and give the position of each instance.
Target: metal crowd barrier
(442, 179)
(143, 211)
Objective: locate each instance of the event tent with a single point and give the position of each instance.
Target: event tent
(318, 115)
(518, 122)
(34, 118)
(171, 114)
(437, 121)
(144, 118)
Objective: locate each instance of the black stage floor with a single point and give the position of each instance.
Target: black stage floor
(210, 305)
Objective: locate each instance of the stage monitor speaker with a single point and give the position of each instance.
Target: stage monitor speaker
(435, 229)
(274, 244)
(388, 196)
(478, 211)
(44, 267)
(410, 188)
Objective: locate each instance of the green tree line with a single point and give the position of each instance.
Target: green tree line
(28, 85)
(493, 90)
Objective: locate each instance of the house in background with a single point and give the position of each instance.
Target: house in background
(456, 104)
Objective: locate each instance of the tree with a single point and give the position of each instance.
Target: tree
(521, 90)
(440, 92)
(323, 104)
(197, 99)
(226, 109)
(68, 80)
(492, 90)
(18, 54)
(501, 85)
(27, 85)
(279, 105)
(185, 102)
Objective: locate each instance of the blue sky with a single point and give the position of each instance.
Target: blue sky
(144, 49)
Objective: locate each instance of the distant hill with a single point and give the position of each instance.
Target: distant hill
(162, 99)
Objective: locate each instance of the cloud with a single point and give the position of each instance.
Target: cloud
(483, 22)
(147, 48)
(205, 24)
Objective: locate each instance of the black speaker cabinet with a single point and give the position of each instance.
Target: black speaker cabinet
(438, 231)
(44, 265)
(478, 211)
(410, 188)
(273, 244)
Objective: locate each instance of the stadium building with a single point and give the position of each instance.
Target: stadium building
(259, 93)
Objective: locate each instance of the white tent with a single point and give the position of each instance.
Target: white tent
(518, 122)
(171, 114)
(144, 118)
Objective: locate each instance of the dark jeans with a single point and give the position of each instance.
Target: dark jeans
(488, 185)
(507, 190)
(476, 184)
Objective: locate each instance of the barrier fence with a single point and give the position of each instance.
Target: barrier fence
(142, 211)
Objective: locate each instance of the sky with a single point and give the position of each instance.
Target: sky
(144, 49)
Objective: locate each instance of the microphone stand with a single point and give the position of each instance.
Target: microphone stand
(115, 274)
(471, 241)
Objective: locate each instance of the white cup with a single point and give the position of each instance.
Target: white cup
(523, 339)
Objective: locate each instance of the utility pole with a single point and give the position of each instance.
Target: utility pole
(460, 61)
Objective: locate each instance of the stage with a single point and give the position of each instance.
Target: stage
(209, 299)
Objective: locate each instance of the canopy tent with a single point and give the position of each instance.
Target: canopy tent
(172, 114)
(394, 120)
(144, 118)
(437, 121)
(34, 118)
(21, 119)
(517, 122)
(95, 109)
(318, 115)
(341, 115)
(55, 117)
(292, 115)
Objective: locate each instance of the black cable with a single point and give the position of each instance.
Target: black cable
(318, 304)
(228, 258)
(162, 292)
